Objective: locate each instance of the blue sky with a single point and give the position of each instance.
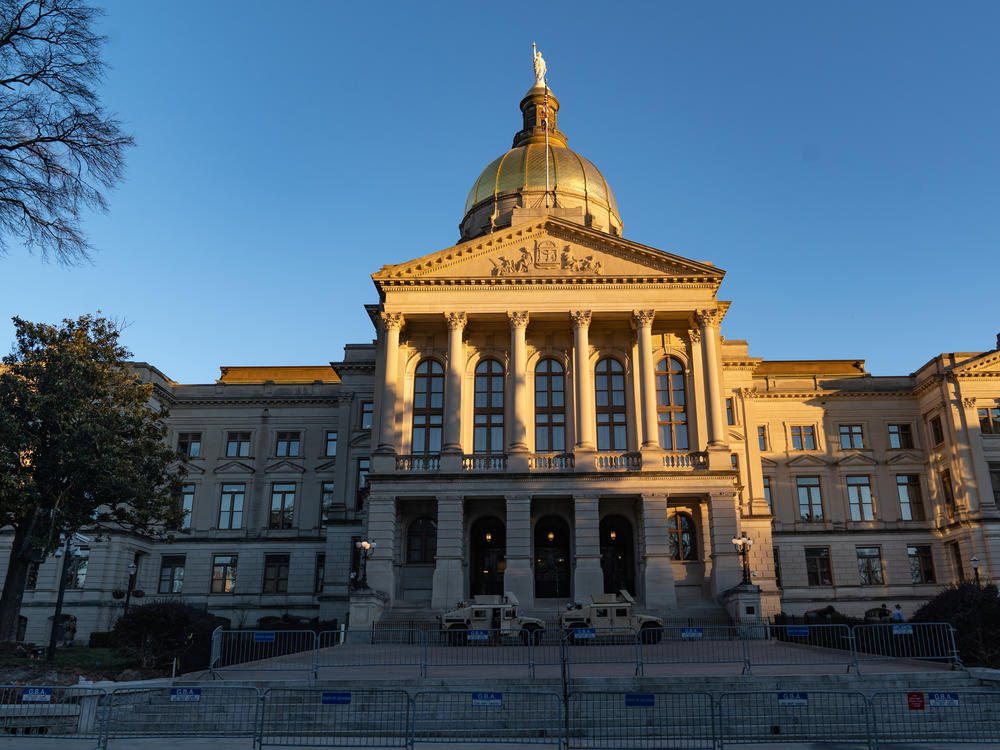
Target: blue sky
(839, 160)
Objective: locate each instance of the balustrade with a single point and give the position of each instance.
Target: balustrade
(619, 461)
(487, 462)
(551, 461)
(419, 462)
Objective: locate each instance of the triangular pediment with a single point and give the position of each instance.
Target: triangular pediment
(807, 461)
(987, 363)
(284, 466)
(549, 250)
(857, 459)
(234, 467)
(327, 466)
(906, 457)
(767, 463)
(191, 468)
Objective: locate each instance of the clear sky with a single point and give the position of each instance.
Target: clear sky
(839, 160)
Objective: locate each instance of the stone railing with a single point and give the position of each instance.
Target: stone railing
(551, 462)
(675, 461)
(419, 462)
(618, 461)
(484, 462)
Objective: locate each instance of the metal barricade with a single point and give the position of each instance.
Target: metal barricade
(265, 650)
(841, 718)
(202, 711)
(936, 717)
(798, 645)
(354, 651)
(909, 640)
(488, 716)
(52, 712)
(448, 651)
(692, 645)
(329, 718)
(607, 647)
(624, 721)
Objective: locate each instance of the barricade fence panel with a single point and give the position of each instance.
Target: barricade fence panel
(641, 720)
(335, 718)
(794, 716)
(52, 712)
(488, 716)
(909, 640)
(693, 645)
(605, 646)
(183, 711)
(788, 645)
(369, 648)
(474, 648)
(937, 717)
(258, 649)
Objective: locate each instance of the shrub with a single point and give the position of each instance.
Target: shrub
(161, 630)
(974, 612)
(100, 639)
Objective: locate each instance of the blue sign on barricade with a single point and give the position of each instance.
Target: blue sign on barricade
(902, 630)
(261, 636)
(798, 631)
(793, 699)
(943, 700)
(477, 635)
(487, 699)
(185, 695)
(36, 695)
(692, 633)
(584, 633)
(336, 699)
(643, 700)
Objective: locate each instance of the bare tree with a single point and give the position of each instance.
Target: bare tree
(58, 148)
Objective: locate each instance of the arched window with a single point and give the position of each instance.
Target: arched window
(487, 429)
(671, 405)
(421, 541)
(680, 536)
(550, 407)
(609, 386)
(428, 407)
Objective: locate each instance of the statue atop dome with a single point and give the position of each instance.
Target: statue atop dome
(540, 69)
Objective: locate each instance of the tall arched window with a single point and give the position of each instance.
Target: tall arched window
(487, 428)
(421, 541)
(680, 535)
(428, 407)
(550, 407)
(609, 387)
(671, 405)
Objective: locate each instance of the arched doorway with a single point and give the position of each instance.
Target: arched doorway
(552, 561)
(487, 549)
(617, 554)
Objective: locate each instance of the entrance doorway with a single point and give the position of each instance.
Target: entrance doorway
(617, 554)
(552, 562)
(487, 556)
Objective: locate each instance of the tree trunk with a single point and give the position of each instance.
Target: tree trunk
(13, 586)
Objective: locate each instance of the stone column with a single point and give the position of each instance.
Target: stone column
(391, 324)
(518, 436)
(708, 321)
(380, 568)
(724, 523)
(588, 577)
(448, 586)
(453, 384)
(643, 320)
(698, 426)
(518, 577)
(584, 395)
(658, 582)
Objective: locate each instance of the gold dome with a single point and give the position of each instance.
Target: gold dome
(514, 183)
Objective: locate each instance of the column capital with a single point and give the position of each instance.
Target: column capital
(456, 320)
(695, 335)
(518, 319)
(391, 321)
(969, 402)
(581, 318)
(746, 393)
(708, 317)
(643, 318)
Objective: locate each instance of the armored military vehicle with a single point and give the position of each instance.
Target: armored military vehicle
(490, 619)
(605, 614)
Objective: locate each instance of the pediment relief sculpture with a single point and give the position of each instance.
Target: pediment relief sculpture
(546, 255)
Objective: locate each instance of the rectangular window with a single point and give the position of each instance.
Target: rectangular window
(810, 498)
(767, 494)
(911, 501)
(818, 566)
(869, 566)
(282, 506)
(955, 552)
(859, 496)
(851, 437)
(948, 491)
(921, 564)
(326, 498)
(730, 412)
(364, 464)
(171, 574)
(900, 436)
(32, 580)
(367, 411)
(287, 444)
(331, 443)
(76, 576)
(937, 431)
(355, 573)
(989, 420)
(275, 574)
(995, 481)
(803, 438)
(237, 445)
(189, 443)
(223, 574)
(762, 437)
(231, 506)
(319, 580)
(777, 567)
(186, 502)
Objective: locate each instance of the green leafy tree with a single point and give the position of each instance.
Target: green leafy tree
(974, 612)
(82, 445)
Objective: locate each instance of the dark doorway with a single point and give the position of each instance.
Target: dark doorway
(552, 565)
(617, 554)
(487, 549)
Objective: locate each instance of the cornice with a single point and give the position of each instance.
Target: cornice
(833, 394)
(541, 284)
(262, 400)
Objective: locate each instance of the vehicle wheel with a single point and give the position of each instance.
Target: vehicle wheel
(457, 636)
(650, 634)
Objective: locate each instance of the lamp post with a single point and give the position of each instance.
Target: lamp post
(743, 544)
(132, 570)
(367, 550)
(975, 569)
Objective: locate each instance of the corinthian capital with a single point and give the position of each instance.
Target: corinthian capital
(643, 318)
(391, 320)
(581, 318)
(518, 319)
(695, 335)
(455, 320)
(969, 402)
(710, 316)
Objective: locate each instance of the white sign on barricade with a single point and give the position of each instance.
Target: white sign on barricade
(793, 699)
(185, 695)
(36, 695)
(487, 699)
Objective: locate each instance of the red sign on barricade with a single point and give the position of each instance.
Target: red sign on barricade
(915, 701)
